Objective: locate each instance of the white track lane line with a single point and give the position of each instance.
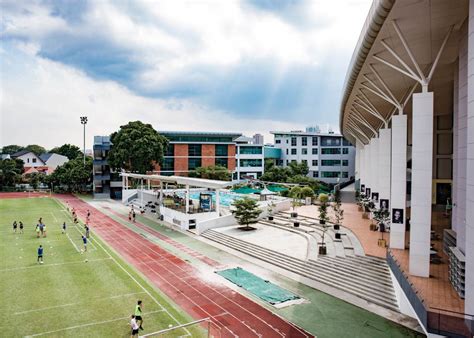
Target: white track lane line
(88, 324)
(77, 303)
(55, 264)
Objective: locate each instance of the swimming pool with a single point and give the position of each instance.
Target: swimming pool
(226, 198)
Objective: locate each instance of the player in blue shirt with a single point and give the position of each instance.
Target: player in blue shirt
(40, 254)
(84, 240)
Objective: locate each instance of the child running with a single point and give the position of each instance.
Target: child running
(86, 227)
(134, 325)
(14, 226)
(84, 240)
(37, 231)
(40, 254)
(64, 228)
(138, 314)
(21, 227)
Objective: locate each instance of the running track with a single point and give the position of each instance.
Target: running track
(237, 315)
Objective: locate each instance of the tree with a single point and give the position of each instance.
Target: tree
(295, 194)
(323, 217)
(213, 172)
(73, 175)
(35, 178)
(246, 212)
(299, 168)
(307, 192)
(38, 150)
(10, 172)
(337, 208)
(69, 150)
(135, 147)
(11, 149)
(269, 163)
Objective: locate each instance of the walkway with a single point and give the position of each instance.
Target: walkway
(197, 295)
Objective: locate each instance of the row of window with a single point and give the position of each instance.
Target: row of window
(196, 150)
(331, 174)
(193, 163)
(314, 151)
(327, 163)
(325, 141)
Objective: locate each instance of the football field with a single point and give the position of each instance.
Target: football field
(73, 293)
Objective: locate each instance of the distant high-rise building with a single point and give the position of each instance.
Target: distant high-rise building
(313, 129)
(258, 139)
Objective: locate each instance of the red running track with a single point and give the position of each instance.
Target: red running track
(237, 315)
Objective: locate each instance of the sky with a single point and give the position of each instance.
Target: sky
(246, 66)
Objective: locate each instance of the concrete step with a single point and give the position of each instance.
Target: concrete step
(365, 287)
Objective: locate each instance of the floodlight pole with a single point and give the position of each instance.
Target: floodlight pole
(84, 122)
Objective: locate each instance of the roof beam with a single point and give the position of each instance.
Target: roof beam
(363, 120)
(380, 91)
(382, 82)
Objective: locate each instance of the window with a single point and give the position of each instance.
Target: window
(277, 141)
(194, 150)
(33, 160)
(314, 151)
(345, 150)
(304, 141)
(286, 141)
(193, 163)
(287, 151)
(315, 141)
(222, 162)
(346, 143)
(330, 163)
(293, 141)
(293, 151)
(250, 150)
(168, 164)
(304, 151)
(28, 160)
(345, 174)
(287, 162)
(169, 151)
(315, 163)
(316, 174)
(330, 174)
(330, 151)
(255, 162)
(221, 150)
(330, 141)
(345, 163)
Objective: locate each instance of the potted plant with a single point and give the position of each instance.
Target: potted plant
(246, 212)
(337, 208)
(270, 208)
(295, 194)
(359, 197)
(382, 217)
(323, 206)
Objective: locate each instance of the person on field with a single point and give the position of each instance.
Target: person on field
(138, 314)
(130, 216)
(14, 226)
(86, 227)
(37, 231)
(44, 230)
(134, 326)
(133, 215)
(40, 221)
(41, 227)
(21, 227)
(40, 254)
(84, 240)
(64, 228)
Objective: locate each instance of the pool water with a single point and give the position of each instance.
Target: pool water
(226, 198)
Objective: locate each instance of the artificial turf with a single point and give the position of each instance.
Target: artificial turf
(67, 296)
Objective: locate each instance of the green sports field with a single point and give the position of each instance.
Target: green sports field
(67, 296)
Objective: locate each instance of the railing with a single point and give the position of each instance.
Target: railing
(199, 328)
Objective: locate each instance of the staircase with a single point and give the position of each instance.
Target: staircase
(367, 278)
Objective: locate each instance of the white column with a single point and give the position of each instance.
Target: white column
(161, 193)
(357, 160)
(218, 201)
(422, 173)
(398, 184)
(374, 163)
(141, 191)
(148, 184)
(384, 164)
(368, 167)
(187, 198)
(469, 305)
(362, 165)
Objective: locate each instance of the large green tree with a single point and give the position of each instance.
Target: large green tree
(73, 175)
(69, 150)
(38, 150)
(135, 147)
(11, 149)
(246, 211)
(213, 172)
(10, 172)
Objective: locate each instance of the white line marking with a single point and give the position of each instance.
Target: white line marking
(77, 303)
(75, 246)
(52, 214)
(88, 324)
(55, 264)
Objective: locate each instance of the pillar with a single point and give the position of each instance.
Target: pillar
(422, 174)
(368, 167)
(398, 185)
(361, 165)
(218, 202)
(187, 198)
(161, 193)
(374, 164)
(384, 165)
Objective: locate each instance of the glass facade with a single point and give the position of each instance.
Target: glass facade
(194, 163)
(169, 151)
(330, 163)
(168, 164)
(194, 150)
(250, 150)
(330, 141)
(331, 151)
(221, 150)
(251, 162)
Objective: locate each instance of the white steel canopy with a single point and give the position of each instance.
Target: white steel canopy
(191, 181)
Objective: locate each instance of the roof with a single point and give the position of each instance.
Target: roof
(304, 133)
(199, 133)
(192, 181)
(21, 153)
(44, 157)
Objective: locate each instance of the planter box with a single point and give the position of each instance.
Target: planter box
(270, 218)
(294, 214)
(338, 235)
(336, 227)
(322, 250)
(322, 221)
(296, 224)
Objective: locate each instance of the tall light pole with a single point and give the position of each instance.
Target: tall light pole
(84, 122)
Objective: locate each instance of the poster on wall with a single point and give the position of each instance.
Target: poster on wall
(367, 192)
(384, 204)
(397, 216)
(205, 202)
(362, 188)
(375, 197)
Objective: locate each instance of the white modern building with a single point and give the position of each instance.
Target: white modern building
(249, 157)
(408, 105)
(330, 158)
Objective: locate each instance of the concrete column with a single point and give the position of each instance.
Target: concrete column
(161, 193)
(469, 305)
(361, 165)
(374, 164)
(357, 160)
(141, 191)
(384, 164)
(218, 201)
(398, 186)
(422, 174)
(187, 198)
(148, 184)
(368, 167)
